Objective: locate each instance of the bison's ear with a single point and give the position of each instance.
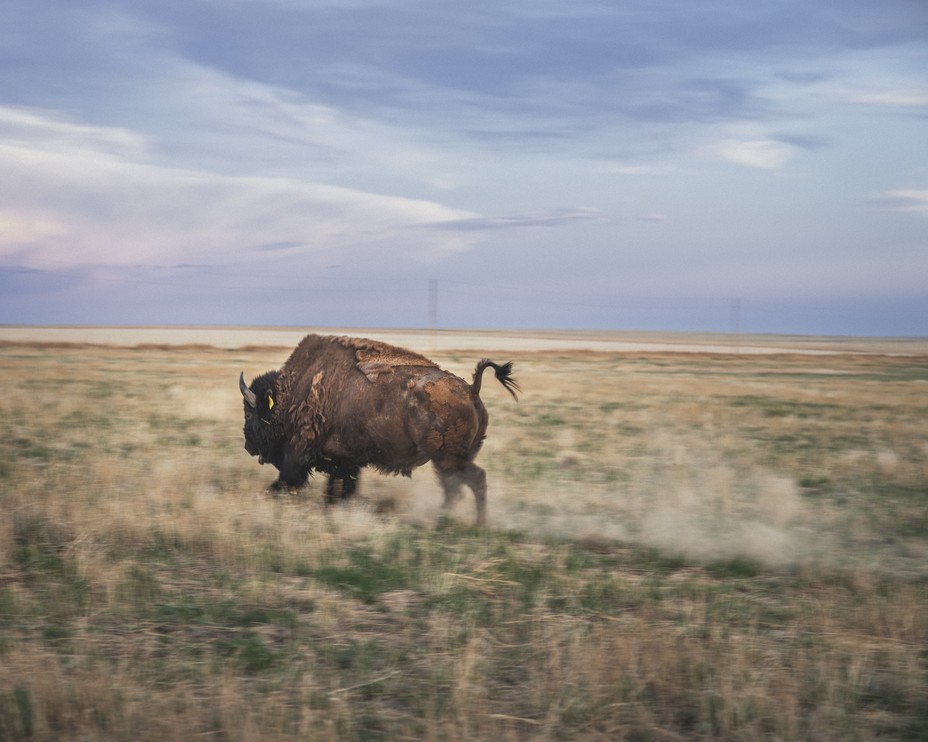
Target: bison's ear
(270, 400)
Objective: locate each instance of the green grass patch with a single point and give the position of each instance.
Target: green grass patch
(737, 567)
(366, 576)
(250, 651)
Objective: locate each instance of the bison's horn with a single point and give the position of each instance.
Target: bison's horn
(246, 392)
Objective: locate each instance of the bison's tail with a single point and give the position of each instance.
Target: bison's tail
(503, 376)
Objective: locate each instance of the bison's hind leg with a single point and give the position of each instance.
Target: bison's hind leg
(471, 475)
(451, 485)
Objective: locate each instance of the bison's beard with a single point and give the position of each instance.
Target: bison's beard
(254, 449)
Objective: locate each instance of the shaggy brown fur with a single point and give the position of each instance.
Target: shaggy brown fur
(339, 404)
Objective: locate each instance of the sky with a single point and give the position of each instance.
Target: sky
(717, 166)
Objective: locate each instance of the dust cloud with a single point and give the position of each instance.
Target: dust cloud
(719, 517)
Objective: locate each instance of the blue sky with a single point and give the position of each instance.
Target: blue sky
(640, 164)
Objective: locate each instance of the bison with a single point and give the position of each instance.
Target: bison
(339, 404)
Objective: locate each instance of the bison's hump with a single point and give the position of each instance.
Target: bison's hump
(375, 359)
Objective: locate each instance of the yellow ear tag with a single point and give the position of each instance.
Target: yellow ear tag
(270, 401)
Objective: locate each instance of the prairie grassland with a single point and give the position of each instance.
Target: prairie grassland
(682, 546)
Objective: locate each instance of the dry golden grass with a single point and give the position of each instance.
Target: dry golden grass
(682, 546)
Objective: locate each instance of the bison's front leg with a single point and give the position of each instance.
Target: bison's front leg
(348, 477)
(292, 476)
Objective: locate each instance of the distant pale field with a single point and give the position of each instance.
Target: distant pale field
(690, 537)
(436, 340)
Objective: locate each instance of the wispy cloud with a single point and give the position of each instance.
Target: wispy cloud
(50, 132)
(557, 218)
(910, 201)
(766, 154)
(900, 98)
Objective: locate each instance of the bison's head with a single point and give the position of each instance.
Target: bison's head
(263, 437)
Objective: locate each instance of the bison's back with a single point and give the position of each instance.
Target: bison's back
(376, 404)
